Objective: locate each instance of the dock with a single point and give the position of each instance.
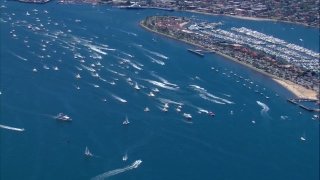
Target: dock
(298, 101)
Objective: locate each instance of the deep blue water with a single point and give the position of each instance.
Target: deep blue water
(243, 141)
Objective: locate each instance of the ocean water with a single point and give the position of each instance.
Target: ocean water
(254, 135)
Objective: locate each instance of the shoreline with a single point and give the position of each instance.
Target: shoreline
(297, 90)
(252, 18)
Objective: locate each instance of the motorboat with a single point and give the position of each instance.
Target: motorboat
(187, 116)
(63, 117)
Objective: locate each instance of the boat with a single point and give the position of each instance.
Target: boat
(126, 121)
(187, 116)
(155, 90)
(151, 94)
(166, 105)
(78, 76)
(178, 110)
(165, 109)
(146, 109)
(197, 52)
(211, 113)
(136, 86)
(125, 157)
(63, 117)
(87, 152)
(302, 138)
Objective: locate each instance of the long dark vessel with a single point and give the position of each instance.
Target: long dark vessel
(197, 52)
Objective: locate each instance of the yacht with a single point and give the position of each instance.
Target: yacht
(63, 117)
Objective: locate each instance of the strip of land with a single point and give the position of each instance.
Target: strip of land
(298, 90)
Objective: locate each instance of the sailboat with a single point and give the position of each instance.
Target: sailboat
(136, 86)
(126, 121)
(87, 152)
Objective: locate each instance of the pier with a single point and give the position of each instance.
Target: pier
(298, 102)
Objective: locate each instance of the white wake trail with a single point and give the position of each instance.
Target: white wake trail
(107, 174)
(11, 128)
(265, 108)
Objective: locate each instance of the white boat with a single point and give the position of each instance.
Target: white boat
(166, 105)
(151, 94)
(146, 109)
(302, 138)
(87, 152)
(136, 86)
(63, 117)
(187, 116)
(125, 157)
(165, 109)
(78, 76)
(155, 90)
(126, 121)
(178, 110)
(34, 70)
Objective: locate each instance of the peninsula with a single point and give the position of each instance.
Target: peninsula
(294, 11)
(292, 66)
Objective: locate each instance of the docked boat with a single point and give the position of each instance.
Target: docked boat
(63, 117)
(87, 152)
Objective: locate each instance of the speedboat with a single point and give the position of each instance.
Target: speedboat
(78, 76)
(187, 116)
(302, 138)
(63, 117)
(126, 121)
(165, 109)
(178, 110)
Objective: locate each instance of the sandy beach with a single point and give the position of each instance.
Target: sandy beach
(298, 90)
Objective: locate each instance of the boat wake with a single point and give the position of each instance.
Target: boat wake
(108, 174)
(162, 85)
(11, 128)
(119, 98)
(154, 60)
(265, 108)
(204, 94)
